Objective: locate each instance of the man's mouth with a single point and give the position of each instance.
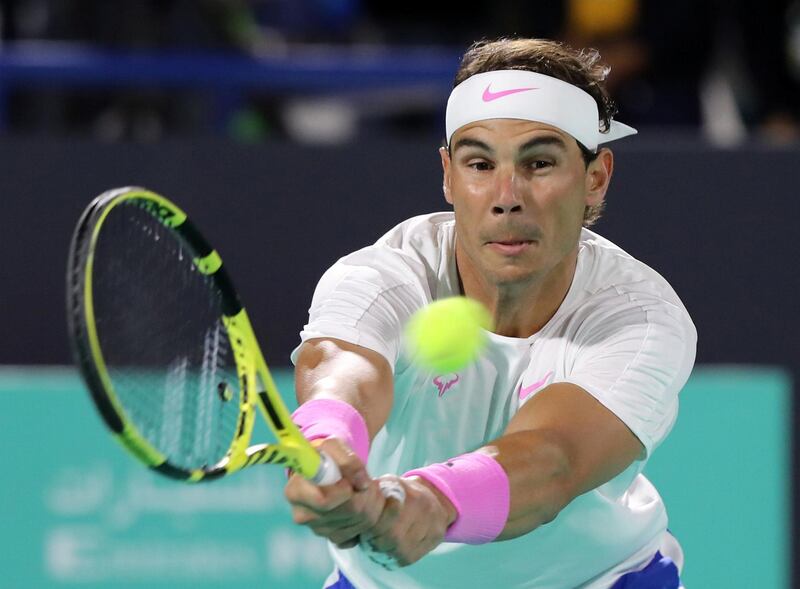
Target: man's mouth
(510, 247)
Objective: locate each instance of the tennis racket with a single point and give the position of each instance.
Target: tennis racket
(166, 348)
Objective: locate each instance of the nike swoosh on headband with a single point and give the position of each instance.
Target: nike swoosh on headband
(558, 103)
(488, 95)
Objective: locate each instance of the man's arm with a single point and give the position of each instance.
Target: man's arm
(334, 369)
(560, 444)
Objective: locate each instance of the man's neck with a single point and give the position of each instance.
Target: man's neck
(522, 309)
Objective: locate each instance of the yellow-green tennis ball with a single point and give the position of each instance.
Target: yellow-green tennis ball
(449, 333)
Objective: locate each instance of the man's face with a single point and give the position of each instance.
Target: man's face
(519, 190)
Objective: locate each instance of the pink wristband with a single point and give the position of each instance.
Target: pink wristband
(331, 418)
(478, 488)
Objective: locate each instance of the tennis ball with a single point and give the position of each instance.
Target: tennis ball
(449, 333)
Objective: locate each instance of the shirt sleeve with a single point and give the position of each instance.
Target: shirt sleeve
(635, 360)
(366, 299)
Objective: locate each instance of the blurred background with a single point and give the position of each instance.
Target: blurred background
(295, 131)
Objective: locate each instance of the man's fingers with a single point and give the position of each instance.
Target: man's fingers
(382, 537)
(350, 465)
(343, 523)
(349, 536)
(348, 544)
(302, 516)
(391, 510)
(330, 520)
(407, 529)
(320, 500)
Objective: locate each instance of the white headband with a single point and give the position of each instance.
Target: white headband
(519, 94)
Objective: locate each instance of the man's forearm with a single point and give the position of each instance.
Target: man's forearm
(536, 470)
(331, 369)
(539, 475)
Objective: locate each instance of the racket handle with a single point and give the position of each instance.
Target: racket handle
(328, 472)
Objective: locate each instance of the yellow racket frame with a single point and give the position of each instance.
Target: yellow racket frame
(256, 386)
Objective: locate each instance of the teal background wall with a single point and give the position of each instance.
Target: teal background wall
(75, 511)
(724, 473)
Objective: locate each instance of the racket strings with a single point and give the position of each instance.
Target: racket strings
(165, 347)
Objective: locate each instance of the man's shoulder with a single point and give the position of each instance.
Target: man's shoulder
(413, 251)
(608, 269)
(420, 232)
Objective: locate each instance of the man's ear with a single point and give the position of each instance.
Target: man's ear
(445, 155)
(598, 176)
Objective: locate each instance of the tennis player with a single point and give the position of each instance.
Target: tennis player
(523, 469)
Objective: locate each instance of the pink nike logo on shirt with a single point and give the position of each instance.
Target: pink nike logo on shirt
(488, 95)
(525, 392)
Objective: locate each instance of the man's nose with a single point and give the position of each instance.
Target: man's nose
(508, 198)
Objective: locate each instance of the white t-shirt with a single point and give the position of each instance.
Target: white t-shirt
(621, 333)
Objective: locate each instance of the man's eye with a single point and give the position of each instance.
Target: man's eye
(480, 166)
(540, 164)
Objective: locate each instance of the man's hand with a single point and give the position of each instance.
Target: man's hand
(344, 510)
(409, 531)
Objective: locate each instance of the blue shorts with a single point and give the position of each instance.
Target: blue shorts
(341, 583)
(660, 573)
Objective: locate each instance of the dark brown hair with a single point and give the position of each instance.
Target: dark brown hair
(579, 68)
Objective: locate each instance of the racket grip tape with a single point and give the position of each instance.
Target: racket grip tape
(328, 472)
